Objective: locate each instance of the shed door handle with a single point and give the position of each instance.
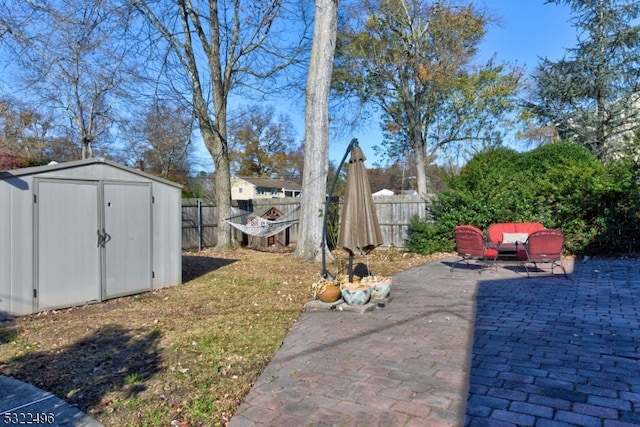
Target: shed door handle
(103, 238)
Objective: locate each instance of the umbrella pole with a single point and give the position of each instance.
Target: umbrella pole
(350, 267)
(323, 245)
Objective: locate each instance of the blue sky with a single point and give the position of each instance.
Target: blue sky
(527, 30)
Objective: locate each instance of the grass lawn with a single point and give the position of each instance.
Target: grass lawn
(185, 355)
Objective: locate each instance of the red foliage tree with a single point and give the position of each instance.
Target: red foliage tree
(10, 161)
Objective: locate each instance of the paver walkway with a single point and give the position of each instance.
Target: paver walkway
(23, 404)
(455, 349)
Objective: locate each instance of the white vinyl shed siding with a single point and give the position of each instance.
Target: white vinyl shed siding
(85, 231)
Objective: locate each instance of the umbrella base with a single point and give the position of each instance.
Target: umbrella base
(340, 305)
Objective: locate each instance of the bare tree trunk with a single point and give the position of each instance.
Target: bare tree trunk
(420, 155)
(221, 45)
(214, 135)
(219, 149)
(316, 141)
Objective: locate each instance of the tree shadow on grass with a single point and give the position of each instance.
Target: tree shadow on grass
(196, 266)
(83, 373)
(8, 332)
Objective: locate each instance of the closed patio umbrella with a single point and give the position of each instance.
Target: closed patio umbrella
(359, 227)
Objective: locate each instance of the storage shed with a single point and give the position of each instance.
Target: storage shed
(85, 231)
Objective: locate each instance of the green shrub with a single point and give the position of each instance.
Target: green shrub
(561, 185)
(425, 237)
(616, 207)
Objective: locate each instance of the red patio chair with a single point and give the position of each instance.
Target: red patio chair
(470, 245)
(542, 246)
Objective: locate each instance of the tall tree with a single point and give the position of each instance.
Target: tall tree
(30, 134)
(164, 140)
(260, 144)
(217, 47)
(71, 57)
(592, 95)
(295, 163)
(310, 244)
(412, 59)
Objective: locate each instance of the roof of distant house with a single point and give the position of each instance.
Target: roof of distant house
(383, 192)
(272, 183)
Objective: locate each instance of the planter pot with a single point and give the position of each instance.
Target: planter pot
(330, 294)
(381, 290)
(356, 297)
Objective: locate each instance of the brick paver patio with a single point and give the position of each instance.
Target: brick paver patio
(462, 348)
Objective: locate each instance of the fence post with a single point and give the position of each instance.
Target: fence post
(199, 206)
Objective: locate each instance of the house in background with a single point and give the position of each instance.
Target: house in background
(383, 192)
(246, 188)
(386, 192)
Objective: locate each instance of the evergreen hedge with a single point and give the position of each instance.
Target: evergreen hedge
(562, 185)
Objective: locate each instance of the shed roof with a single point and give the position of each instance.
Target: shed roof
(82, 163)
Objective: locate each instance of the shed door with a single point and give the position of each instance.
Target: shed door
(127, 223)
(68, 257)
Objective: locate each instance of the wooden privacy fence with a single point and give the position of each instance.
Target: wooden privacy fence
(200, 218)
(394, 215)
(199, 224)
